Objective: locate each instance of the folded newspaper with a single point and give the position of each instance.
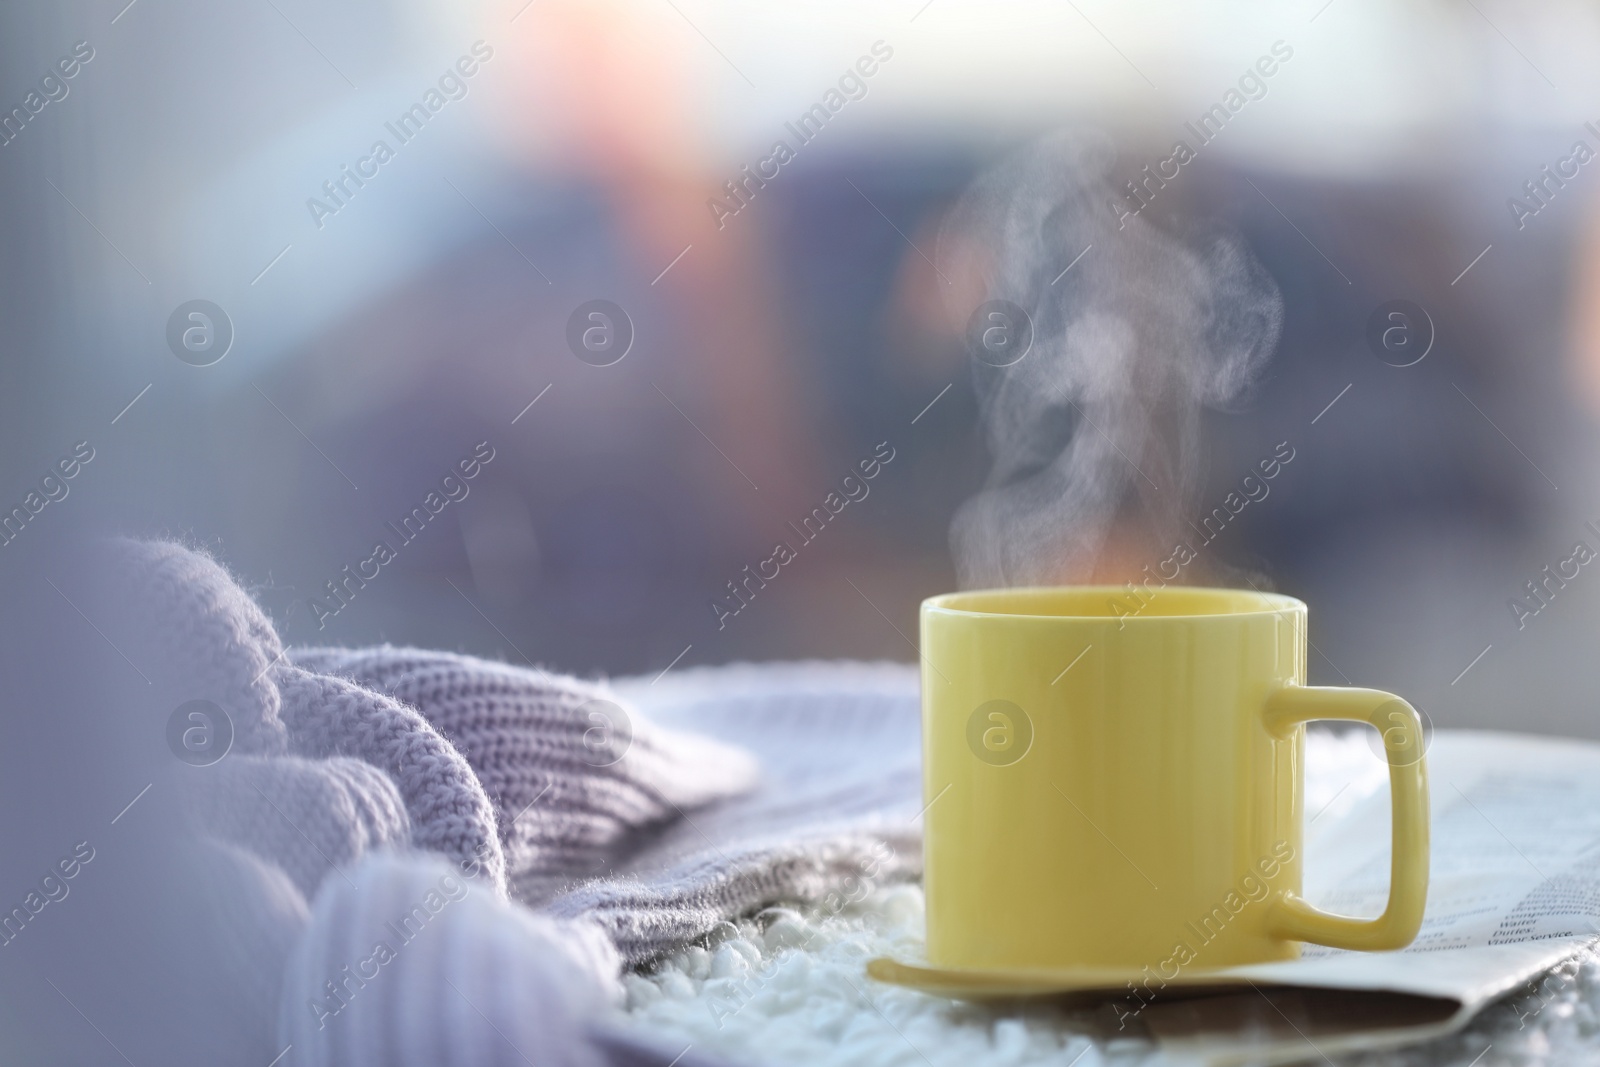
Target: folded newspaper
(1515, 881)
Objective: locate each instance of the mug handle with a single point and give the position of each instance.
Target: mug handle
(1401, 728)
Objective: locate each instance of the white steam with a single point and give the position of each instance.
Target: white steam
(1098, 426)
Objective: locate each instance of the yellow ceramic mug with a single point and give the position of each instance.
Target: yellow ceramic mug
(1114, 782)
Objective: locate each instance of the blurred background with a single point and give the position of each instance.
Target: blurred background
(374, 316)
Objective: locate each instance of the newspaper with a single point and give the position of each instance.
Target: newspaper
(1515, 880)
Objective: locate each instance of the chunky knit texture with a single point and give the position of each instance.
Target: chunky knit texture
(839, 801)
(198, 636)
(405, 960)
(360, 778)
(309, 816)
(569, 770)
(450, 812)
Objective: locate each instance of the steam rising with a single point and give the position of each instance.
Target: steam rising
(1098, 426)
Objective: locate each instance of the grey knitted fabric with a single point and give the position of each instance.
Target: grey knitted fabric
(611, 808)
(570, 772)
(253, 917)
(310, 816)
(199, 636)
(839, 801)
(449, 811)
(202, 637)
(405, 961)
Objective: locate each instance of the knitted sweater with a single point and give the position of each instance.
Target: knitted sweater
(456, 857)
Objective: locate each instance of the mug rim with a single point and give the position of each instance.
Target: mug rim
(1270, 603)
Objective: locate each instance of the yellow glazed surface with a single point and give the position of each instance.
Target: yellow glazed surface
(1114, 786)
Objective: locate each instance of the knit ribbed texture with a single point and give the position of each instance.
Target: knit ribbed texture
(201, 636)
(310, 816)
(611, 807)
(838, 805)
(407, 964)
(450, 812)
(569, 771)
